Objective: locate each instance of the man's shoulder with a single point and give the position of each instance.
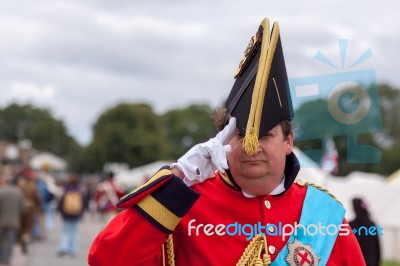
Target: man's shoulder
(317, 188)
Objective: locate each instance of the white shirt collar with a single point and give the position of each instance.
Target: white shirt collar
(279, 189)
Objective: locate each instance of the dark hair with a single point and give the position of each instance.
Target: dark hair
(73, 179)
(221, 118)
(360, 208)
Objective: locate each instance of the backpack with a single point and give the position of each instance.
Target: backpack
(73, 203)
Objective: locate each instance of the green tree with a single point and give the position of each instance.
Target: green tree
(389, 98)
(187, 127)
(126, 133)
(389, 137)
(46, 133)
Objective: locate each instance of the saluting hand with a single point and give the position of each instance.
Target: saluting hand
(201, 161)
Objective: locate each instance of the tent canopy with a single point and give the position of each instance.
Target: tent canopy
(47, 159)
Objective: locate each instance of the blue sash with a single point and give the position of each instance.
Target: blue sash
(319, 208)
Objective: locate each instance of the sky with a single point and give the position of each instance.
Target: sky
(79, 58)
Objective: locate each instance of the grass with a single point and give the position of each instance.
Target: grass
(390, 263)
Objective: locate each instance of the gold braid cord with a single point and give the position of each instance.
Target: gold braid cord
(322, 189)
(252, 254)
(169, 244)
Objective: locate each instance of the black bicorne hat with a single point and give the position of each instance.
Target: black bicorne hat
(260, 97)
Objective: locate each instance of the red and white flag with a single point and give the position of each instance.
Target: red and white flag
(330, 160)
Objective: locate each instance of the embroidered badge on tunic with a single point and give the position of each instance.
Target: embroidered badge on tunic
(301, 255)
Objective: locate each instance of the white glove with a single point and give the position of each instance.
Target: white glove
(201, 161)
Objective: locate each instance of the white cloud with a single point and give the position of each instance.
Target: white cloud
(149, 24)
(22, 90)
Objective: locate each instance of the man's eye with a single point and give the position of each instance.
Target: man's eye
(239, 136)
(268, 135)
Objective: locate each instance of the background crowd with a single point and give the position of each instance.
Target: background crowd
(31, 200)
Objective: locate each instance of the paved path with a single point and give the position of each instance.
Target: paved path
(44, 253)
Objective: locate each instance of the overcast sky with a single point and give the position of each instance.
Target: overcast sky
(80, 57)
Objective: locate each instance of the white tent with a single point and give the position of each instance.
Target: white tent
(310, 170)
(395, 177)
(135, 177)
(390, 217)
(368, 186)
(47, 159)
(390, 212)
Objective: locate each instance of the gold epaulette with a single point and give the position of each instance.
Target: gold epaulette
(302, 183)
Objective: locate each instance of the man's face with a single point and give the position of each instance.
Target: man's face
(260, 173)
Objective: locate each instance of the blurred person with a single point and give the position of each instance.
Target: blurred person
(11, 209)
(203, 209)
(71, 206)
(49, 193)
(91, 204)
(107, 196)
(26, 181)
(369, 243)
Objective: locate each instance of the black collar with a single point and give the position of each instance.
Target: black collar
(292, 168)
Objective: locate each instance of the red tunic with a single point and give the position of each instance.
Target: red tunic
(134, 238)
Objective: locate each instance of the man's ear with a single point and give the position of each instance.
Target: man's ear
(289, 143)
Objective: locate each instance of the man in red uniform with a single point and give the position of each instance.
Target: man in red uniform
(107, 196)
(233, 200)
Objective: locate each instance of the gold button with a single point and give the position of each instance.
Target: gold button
(267, 204)
(272, 250)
